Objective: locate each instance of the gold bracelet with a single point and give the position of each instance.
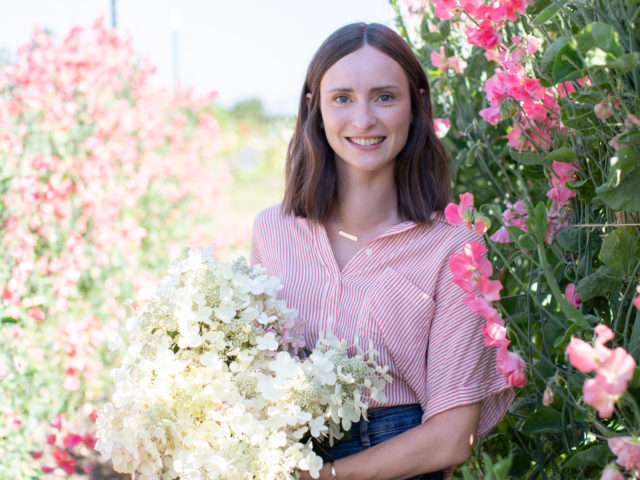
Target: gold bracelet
(333, 471)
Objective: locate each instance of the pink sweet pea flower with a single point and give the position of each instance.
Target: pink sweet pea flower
(71, 440)
(500, 236)
(570, 294)
(631, 120)
(611, 473)
(627, 449)
(598, 394)
(495, 334)
(458, 214)
(636, 301)
(470, 265)
(511, 366)
(614, 369)
(489, 289)
(491, 115)
(485, 35)
(442, 126)
(36, 314)
(480, 306)
(480, 225)
(444, 9)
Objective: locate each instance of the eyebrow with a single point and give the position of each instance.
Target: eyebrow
(374, 89)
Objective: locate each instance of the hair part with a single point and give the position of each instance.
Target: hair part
(421, 168)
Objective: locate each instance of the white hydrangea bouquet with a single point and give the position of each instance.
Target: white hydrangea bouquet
(212, 387)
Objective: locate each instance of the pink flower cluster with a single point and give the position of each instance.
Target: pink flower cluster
(467, 214)
(560, 194)
(63, 444)
(515, 215)
(440, 60)
(471, 271)
(86, 137)
(613, 368)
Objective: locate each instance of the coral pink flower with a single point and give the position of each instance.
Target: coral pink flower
(491, 115)
(480, 225)
(489, 289)
(64, 460)
(598, 394)
(444, 9)
(47, 469)
(627, 449)
(611, 473)
(442, 126)
(462, 213)
(480, 306)
(485, 35)
(470, 265)
(631, 120)
(36, 314)
(501, 236)
(570, 294)
(614, 369)
(511, 366)
(71, 440)
(495, 334)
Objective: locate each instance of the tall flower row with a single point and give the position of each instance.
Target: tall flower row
(102, 177)
(541, 100)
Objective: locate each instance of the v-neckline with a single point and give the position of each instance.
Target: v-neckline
(326, 250)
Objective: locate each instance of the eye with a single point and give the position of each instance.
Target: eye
(385, 98)
(341, 99)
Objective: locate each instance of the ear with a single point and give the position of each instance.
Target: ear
(308, 96)
(423, 93)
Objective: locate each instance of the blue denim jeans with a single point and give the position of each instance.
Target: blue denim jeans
(382, 424)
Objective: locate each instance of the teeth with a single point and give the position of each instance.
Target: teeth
(366, 141)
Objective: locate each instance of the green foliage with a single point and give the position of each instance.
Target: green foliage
(590, 57)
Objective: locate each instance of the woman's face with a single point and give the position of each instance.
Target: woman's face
(366, 109)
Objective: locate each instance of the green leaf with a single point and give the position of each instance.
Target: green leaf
(625, 63)
(599, 35)
(562, 154)
(592, 455)
(620, 251)
(9, 320)
(598, 284)
(546, 14)
(527, 158)
(549, 56)
(568, 238)
(577, 116)
(567, 65)
(621, 192)
(545, 420)
(537, 222)
(564, 340)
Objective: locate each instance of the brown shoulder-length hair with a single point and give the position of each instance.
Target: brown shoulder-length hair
(421, 168)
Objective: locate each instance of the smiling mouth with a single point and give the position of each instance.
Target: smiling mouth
(366, 141)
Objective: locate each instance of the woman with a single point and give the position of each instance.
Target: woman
(362, 248)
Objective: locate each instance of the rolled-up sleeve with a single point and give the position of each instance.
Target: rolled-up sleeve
(461, 370)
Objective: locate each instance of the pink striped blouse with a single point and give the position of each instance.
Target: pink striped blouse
(398, 292)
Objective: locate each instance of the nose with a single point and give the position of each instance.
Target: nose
(363, 116)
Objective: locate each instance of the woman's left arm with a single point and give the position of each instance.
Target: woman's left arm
(443, 441)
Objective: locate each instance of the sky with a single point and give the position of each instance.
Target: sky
(240, 49)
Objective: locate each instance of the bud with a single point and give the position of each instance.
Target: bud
(547, 398)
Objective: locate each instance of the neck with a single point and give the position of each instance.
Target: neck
(365, 203)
